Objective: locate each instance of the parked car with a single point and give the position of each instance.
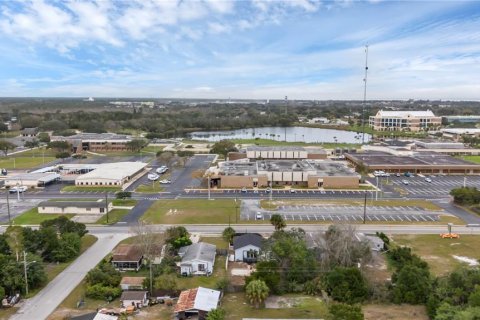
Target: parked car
(153, 176)
(428, 180)
(18, 189)
(162, 170)
(244, 190)
(407, 174)
(397, 174)
(293, 191)
(405, 181)
(165, 181)
(258, 216)
(268, 190)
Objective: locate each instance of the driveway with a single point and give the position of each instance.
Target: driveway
(48, 299)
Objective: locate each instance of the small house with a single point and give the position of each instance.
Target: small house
(30, 132)
(197, 259)
(127, 257)
(137, 299)
(74, 207)
(247, 247)
(196, 303)
(132, 283)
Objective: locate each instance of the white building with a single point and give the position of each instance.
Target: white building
(247, 247)
(404, 120)
(74, 207)
(32, 180)
(111, 174)
(320, 120)
(197, 259)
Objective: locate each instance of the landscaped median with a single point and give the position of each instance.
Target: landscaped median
(90, 189)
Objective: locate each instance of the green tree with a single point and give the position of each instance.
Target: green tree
(4, 246)
(278, 222)
(216, 314)
(43, 137)
(59, 146)
(256, 292)
(68, 247)
(6, 146)
(228, 234)
(346, 285)
(223, 147)
(2, 292)
(173, 233)
(64, 225)
(136, 145)
(34, 143)
(268, 271)
(123, 195)
(411, 284)
(466, 196)
(342, 311)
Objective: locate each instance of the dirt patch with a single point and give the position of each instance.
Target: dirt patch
(277, 302)
(394, 312)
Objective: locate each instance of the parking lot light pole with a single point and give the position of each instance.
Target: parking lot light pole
(106, 205)
(365, 208)
(8, 208)
(376, 191)
(18, 192)
(465, 181)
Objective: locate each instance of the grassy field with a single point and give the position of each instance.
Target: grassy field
(37, 153)
(191, 211)
(113, 216)
(219, 242)
(152, 149)
(474, 159)
(33, 217)
(23, 162)
(150, 188)
(95, 189)
(439, 252)
(124, 202)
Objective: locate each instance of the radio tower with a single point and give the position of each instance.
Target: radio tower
(364, 94)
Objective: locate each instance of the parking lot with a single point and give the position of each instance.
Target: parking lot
(440, 185)
(263, 192)
(16, 207)
(336, 213)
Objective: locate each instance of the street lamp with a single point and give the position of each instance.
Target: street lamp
(25, 265)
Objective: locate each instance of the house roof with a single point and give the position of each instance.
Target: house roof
(203, 299)
(246, 239)
(133, 281)
(94, 316)
(133, 295)
(127, 252)
(113, 171)
(426, 113)
(77, 204)
(199, 251)
(30, 130)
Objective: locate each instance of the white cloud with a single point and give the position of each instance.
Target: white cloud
(221, 6)
(216, 28)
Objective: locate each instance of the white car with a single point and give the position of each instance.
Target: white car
(428, 180)
(405, 181)
(258, 216)
(244, 190)
(268, 190)
(165, 181)
(153, 176)
(293, 191)
(162, 170)
(18, 189)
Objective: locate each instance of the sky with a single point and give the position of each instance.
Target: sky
(245, 49)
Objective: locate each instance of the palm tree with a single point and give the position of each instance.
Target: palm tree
(277, 221)
(256, 292)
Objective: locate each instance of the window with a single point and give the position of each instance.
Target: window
(201, 267)
(88, 209)
(102, 210)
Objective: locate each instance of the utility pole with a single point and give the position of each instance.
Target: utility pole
(364, 94)
(8, 208)
(365, 208)
(106, 204)
(25, 271)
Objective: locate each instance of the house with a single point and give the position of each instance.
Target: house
(137, 299)
(132, 283)
(127, 257)
(197, 259)
(247, 247)
(375, 243)
(196, 302)
(30, 132)
(74, 207)
(94, 316)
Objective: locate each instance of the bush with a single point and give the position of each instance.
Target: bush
(100, 292)
(62, 155)
(346, 285)
(401, 256)
(411, 284)
(123, 195)
(466, 196)
(341, 311)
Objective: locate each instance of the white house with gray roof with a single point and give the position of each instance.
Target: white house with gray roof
(247, 247)
(73, 207)
(197, 259)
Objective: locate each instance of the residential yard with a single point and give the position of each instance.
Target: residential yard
(219, 242)
(33, 217)
(191, 211)
(24, 162)
(150, 187)
(90, 189)
(113, 216)
(439, 252)
(394, 312)
(219, 273)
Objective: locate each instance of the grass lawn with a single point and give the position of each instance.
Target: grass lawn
(113, 216)
(308, 307)
(219, 273)
(152, 149)
(218, 241)
(33, 217)
(37, 153)
(439, 252)
(474, 159)
(23, 162)
(150, 187)
(96, 189)
(191, 211)
(124, 202)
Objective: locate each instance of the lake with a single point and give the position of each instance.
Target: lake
(292, 134)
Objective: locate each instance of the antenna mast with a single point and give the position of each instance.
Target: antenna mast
(364, 94)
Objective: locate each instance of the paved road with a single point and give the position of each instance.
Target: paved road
(48, 299)
(134, 215)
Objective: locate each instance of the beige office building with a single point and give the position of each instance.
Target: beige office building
(404, 121)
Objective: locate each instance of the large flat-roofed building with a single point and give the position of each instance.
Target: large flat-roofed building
(431, 163)
(278, 153)
(462, 119)
(96, 142)
(457, 133)
(264, 173)
(111, 174)
(32, 180)
(404, 121)
(74, 207)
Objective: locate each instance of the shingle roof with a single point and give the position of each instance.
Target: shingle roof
(30, 130)
(133, 295)
(203, 299)
(127, 252)
(133, 281)
(199, 251)
(247, 239)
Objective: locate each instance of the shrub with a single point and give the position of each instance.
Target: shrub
(346, 285)
(100, 292)
(341, 311)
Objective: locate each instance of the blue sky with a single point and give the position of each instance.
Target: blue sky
(254, 49)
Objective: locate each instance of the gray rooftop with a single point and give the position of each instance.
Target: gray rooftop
(78, 204)
(99, 136)
(247, 239)
(198, 251)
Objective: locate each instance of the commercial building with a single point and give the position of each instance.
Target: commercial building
(111, 174)
(74, 207)
(427, 163)
(404, 121)
(264, 173)
(32, 180)
(278, 153)
(96, 142)
(461, 119)
(457, 133)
